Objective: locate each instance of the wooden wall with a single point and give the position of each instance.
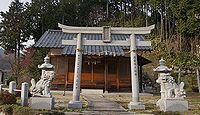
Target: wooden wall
(109, 73)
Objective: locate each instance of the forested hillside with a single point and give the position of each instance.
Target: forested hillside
(176, 36)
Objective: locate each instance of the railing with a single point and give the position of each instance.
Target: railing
(24, 91)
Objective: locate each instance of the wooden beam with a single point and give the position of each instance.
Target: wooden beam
(117, 74)
(92, 72)
(105, 74)
(66, 77)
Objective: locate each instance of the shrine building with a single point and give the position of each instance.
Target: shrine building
(104, 66)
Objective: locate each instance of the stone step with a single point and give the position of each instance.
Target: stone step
(102, 113)
(108, 110)
(92, 91)
(106, 113)
(109, 113)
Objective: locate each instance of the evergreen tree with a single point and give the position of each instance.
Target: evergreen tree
(15, 31)
(15, 27)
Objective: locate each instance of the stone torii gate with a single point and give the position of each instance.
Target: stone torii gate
(106, 32)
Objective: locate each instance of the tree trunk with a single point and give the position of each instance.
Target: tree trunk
(121, 14)
(180, 42)
(107, 8)
(156, 22)
(192, 46)
(132, 11)
(169, 29)
(18, 59)
(124, 11)
(166, 30)
(161, 26)
(179, 76)
(15, 51)
(146, 15)
(198, 80)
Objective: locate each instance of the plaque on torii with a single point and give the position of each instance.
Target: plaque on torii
(132, 42)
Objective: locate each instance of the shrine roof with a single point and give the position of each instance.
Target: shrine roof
(53, 39)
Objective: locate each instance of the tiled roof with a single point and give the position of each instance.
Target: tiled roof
(53, 39)
(96, 50)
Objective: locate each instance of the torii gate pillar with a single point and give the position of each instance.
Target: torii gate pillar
(76, 103)
(134, 104)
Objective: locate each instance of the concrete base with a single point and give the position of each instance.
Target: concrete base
(138, 105)
(42, 103)
(75, 105)
(173, 105)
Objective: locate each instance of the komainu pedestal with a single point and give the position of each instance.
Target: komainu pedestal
(42, 103)
(173, 105)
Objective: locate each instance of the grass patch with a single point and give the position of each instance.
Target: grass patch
(150, 104)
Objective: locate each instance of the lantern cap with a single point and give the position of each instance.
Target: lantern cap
(162, 68)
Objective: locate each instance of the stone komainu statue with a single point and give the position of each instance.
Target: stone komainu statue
(173, 90)
(42, 87)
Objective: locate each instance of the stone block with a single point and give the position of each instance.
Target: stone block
(138, 105)
(42, 103)
(173, 105)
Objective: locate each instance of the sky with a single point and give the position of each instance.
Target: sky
(4, 6)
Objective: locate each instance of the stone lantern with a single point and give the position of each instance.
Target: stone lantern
(162, 68)
(172, 95)
(46, 65)
(162, 71)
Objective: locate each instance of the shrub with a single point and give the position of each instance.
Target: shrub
(7, 98)
(7, 109)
